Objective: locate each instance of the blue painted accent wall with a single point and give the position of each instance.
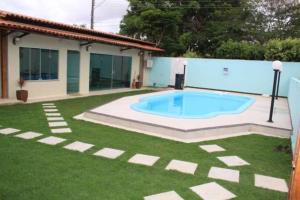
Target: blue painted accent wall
(243, 75)
(294, 104)
(159, 74)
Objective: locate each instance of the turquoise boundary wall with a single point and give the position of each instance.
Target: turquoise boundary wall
(294, 104)
(243, 75)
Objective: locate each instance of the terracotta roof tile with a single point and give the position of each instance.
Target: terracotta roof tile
(15, 21)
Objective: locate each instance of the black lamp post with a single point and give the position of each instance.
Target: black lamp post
(277, 67)
(184, 72)
(278, 83)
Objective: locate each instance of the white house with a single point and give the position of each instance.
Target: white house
(56, 59)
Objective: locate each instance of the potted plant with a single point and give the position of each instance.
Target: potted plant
(22, 94)
(138, 83)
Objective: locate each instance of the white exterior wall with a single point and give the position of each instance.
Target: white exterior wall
(57, 88)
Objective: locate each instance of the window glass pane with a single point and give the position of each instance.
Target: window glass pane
(100, 71)
(54, 64)
(121, 72)
(49, 64)
(117, 72)
(35, 64)
(45, 64)
(127, 70)
(24, 63)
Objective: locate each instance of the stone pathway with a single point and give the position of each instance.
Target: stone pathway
(233, 161)
(172, 195)
(207, 191)
(55, 121)
(182, 166)
(212, 191)
(143, 159)
(224, 174)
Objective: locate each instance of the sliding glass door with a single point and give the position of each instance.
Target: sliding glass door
(121, 71)
(107, 71)
(100, 72)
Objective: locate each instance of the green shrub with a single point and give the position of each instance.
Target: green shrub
(240, 50)
(284, 50)
(191, 54)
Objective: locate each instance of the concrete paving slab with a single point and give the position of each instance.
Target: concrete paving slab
(182, 166)
(53, 114)
(51, 110)
(109, 153)
(271, 183)
(211, 148)
(212, 191)
(28, 135)
(224, 174)
(143, 159)
(61, 130)
(7, 131)
(52, 140)
(57, 124)
(48, 104)
(78, 146)
(233, 161)
(172, 195)
(55, 118)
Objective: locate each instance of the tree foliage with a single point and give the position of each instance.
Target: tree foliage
(202, 26)
(285, 50)
(240, 50)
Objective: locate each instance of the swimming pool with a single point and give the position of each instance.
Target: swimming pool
(189, 104)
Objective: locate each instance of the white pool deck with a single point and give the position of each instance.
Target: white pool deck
(253, 120)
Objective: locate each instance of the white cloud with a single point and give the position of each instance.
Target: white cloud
(107, 15)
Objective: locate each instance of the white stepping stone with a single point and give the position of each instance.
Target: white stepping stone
(51, 110)
(57, 124)
(48, 104)
(7, 131)
(55, 118)
(143, 159)
(224, 174)
(28, 135)
(182, 166)
(172, 195)
(51, 140)
(78, 146)
(271, 183)
(109, 153)
(212, 191)
(233, 161)
(53, 114)
(211, 148)
(61, 130)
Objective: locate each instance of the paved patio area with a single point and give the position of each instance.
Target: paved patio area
(119, 114)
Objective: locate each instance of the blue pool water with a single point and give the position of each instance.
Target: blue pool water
(193, 104)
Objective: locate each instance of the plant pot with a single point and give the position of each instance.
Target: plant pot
(22, 95)
(138, 84)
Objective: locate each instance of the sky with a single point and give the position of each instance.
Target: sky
(108, 13)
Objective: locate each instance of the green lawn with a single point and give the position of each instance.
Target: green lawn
(34, 171)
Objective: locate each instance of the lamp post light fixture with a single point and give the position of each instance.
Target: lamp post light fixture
(185, 62)
(278, 83)
(277, 67)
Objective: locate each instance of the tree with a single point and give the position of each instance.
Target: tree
(201, 26)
